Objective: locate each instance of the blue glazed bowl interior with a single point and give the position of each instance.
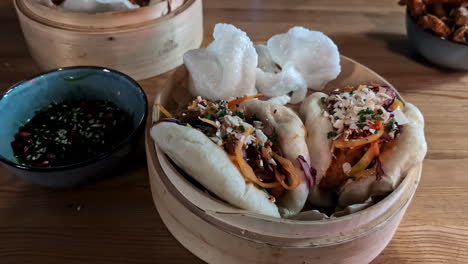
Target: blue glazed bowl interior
(20, 103)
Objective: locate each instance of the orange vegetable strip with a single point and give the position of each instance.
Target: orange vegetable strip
(164, 111)
(341, 143)
(242, 99)
(288, 166)
(245, 168)
(208, 121)
(366, 159)
(397, 103)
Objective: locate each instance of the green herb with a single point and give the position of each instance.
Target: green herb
(251, 119)
(239, 114)
(389, 127)
(380, 111)
(358, 134)
(377, 117)
(331, 134)
(376, 131)
(361, 126)
(210, 117)
(367, 111)
(362, 118)
(273, 137)
(260, 146)
(242, 128)
(323, 100)
(222, 113)
(78, 78)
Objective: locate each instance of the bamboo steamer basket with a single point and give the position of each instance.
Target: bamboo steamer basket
(142, 42)
(217, 232)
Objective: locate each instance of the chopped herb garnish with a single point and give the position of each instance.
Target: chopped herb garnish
(367, 111)
(331, 134)
(323, 100)
(239, 114)
(377, 117)
(380, 112)
(273, 137)
(251, 119)
(389, 127)
(210, 117)
(376, 132)
(260, 146)
(362, 118)
(242, 128)
(361, 126)
(222, 113)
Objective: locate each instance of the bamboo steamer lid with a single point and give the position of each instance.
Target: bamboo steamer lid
(142, 42)
(220, 233)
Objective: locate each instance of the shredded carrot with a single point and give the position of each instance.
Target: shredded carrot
(164, 111)
(245, 168)
(397, 103)
(237, 101)
(288, 166)
(341, 143)
(192, 105)
(208, 121)
(366, 159)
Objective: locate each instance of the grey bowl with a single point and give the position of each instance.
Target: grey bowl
(21, 101)
(442, 52)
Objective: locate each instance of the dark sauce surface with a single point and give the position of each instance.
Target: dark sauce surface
(70, 132)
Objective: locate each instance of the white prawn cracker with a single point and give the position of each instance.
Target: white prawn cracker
(272, 81)
(226, 68)
(312, 53)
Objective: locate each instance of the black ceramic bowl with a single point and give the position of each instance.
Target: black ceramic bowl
(442, 52)
(20, 103)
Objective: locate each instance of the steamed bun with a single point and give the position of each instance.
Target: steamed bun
(226, 68)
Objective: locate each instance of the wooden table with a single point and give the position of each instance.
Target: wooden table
(115, 221)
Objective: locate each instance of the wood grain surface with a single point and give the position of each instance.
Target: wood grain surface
(114, 221)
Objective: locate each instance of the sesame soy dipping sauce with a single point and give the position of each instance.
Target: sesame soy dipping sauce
(70, 132)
